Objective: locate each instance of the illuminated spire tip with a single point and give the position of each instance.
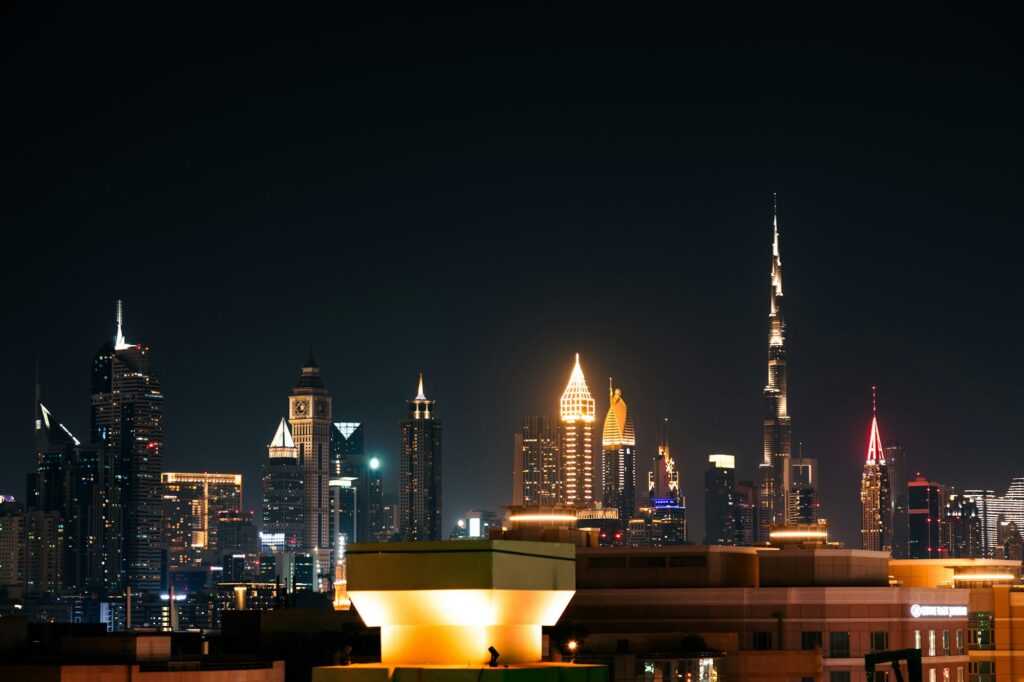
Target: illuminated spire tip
(119, 341)
(577, 402)
(420, 395)
(876, 454)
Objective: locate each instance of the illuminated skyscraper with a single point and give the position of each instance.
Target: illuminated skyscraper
(962, 528)
(356, 486)
(193, 504)
(310, 420)
(926, 505)
(896, 459)
(803, 490)
(663, 481)
(875, 494)
(420, 495)
(536, 471)
(774, 472)
(618, 457)
(284, 521)
(663, 514)
(577, 436)
(127, 418)
(720, 500)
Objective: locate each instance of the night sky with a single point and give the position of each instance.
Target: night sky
(479, 196)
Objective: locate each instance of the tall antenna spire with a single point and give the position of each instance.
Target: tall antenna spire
(611, 391)
(420, 395)
(876, 455)
(119, 341)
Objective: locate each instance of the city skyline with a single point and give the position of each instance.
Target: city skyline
(572, 193)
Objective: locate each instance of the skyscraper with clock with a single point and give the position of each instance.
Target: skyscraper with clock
(309, 416)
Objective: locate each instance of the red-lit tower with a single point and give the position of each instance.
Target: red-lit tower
(876, 526)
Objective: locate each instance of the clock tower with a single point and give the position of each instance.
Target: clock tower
(309, 415)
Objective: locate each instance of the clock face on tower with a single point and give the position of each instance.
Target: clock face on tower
(321, 408)
(301, 407)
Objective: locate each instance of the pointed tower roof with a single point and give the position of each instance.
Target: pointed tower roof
(419, 394)
(309, 379)
(282, 444)
(49, 431)
(120, 343)
(876, 454)
(776, 256)
(618, 425)
(577, 403)
(283, 436)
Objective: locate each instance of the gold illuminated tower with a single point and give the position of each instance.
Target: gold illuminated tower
(577, 414)
(309, 416)
(875, 494)
(618, 457)
(774, 472)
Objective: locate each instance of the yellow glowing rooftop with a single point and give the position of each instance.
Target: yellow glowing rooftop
(444, 603)
(577, 403)
(618, 424)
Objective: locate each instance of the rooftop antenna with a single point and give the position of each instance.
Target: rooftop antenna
(119, 341)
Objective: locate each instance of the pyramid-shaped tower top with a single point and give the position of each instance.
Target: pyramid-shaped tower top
(283, 436)
(309, 379)
(577, 402)
(876, 454)
(618, 425)
(282, 444)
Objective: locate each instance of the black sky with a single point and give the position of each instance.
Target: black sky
(480, 195)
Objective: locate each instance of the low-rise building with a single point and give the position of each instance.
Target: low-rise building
(995, 609)
(757, 614)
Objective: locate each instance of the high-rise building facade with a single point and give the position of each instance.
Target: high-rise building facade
(746, 508)
(577, 412)
(419, 499)
(803, 503)
(875, 493)
(127, 419)
(618, 457)
(310, 410)
(193, 504)
(536, 475)
(44, 552)
(356, 486)
(991, 507)
(12, 547)
(926, 501)
(896, 459)
(284, 520)
(663, 480)
(773, 480)
(662, 519)
(961, 525)
(719, 500)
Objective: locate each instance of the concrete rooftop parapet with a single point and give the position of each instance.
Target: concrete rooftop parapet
(447, 603)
